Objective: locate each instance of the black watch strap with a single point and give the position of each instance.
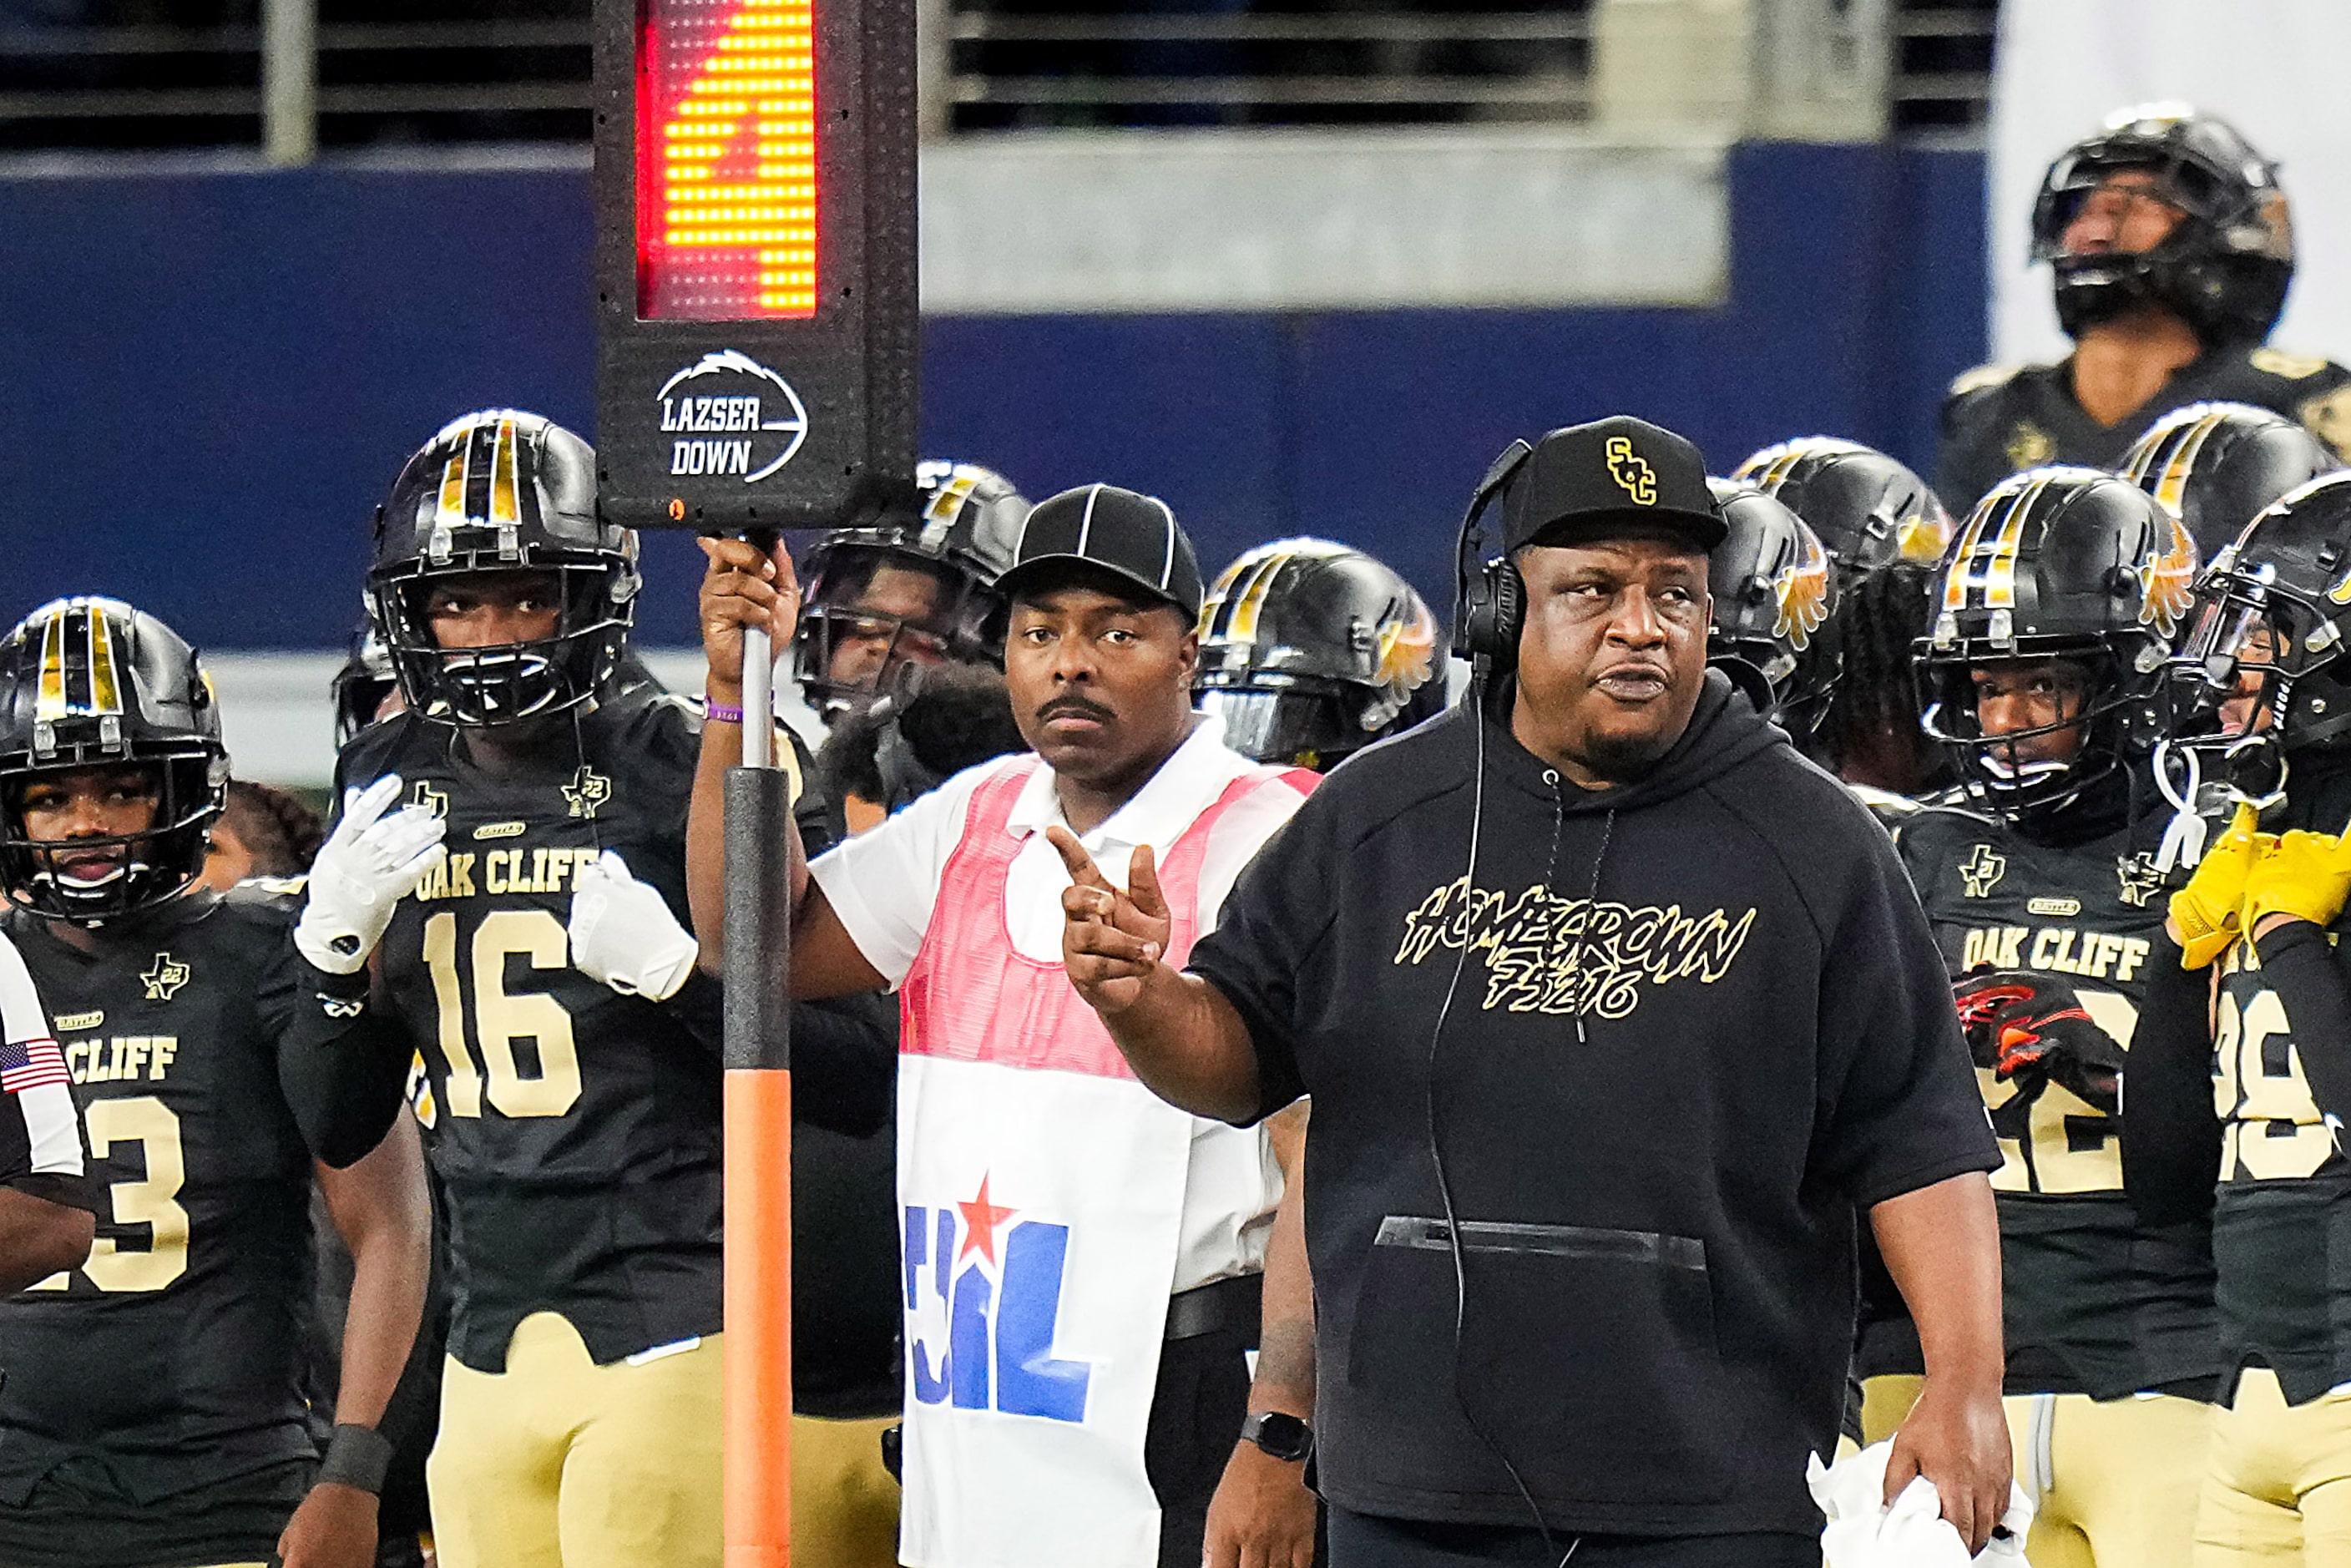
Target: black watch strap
(1284, 1437)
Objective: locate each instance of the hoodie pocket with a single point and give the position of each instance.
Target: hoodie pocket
(1587, 1354)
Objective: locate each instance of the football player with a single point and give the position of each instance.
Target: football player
(915, 586)
(2215, 465)
(1308, 652)
(574, 1071)
(1885, 531)
(1773, 591)
(2170, 239)
(2051, 617)
(1869, 510)
(2245, 1064)
(154, 1409)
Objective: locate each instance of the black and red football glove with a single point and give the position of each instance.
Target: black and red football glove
(2031, 1030)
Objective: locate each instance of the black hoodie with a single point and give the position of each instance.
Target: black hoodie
(1700, 1021)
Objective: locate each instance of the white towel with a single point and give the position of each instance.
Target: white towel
(1863, 1532)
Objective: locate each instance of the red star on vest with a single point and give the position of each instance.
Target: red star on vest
(980, 1219)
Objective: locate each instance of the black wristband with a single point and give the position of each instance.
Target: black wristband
(358, 1456)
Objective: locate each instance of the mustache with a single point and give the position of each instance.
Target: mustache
(1074, 707)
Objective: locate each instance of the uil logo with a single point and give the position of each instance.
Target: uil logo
(982, 1309)
(1631, 471)
(2140, 881)
(587, 791)
(163, 976)
(1982, 872)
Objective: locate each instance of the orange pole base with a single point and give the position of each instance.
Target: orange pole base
(758, 1360)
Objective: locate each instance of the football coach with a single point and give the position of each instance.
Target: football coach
(1615, 1012)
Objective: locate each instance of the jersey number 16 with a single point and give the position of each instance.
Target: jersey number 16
(501, 1018)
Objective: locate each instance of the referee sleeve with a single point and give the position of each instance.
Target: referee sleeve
(40, 1132)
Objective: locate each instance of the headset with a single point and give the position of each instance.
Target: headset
(1488, 612)
(1490, 597)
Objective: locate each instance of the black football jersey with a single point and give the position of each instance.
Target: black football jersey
(2002, 418)
(2095, 1301)
(175, 1350)
(576, 1129)
(2282, 1214)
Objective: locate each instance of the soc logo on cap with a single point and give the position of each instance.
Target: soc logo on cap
(1631, 471)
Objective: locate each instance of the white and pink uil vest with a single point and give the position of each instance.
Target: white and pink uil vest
(1041, 1189)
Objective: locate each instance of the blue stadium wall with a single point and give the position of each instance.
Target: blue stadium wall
(208, 379)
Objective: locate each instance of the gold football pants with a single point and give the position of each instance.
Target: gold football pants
(2113, 1482)
(2278, 1488)
(844, 1503)
(558, 1463)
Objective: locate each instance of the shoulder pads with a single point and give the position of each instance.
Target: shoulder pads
(1983, 378)
(2286, 366)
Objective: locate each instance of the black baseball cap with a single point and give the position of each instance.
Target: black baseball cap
(1589, 482)
(1132, 536)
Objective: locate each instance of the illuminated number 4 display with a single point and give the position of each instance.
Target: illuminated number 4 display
(727, 161)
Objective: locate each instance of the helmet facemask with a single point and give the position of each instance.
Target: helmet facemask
(2224, 265)
(2007, 773)
(144, 868)
(496, 683)
(840, 618)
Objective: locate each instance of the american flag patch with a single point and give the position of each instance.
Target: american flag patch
(31, 1064)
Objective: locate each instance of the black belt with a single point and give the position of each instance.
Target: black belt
(1225, 1304)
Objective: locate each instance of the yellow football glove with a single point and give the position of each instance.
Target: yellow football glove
(2306, 875)
(2204, 914)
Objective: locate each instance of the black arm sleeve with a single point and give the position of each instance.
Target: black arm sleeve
(2171, 1140)
(1897, 1107)
(2313, 980)
(342, 1059)
(844, 1052)
(845, 1063)
(1281, 907)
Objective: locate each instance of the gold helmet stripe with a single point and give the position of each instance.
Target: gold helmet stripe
(105, 685)
(506, 502)
(1988, 566)
(49, 700)
(1249, 603)
(450, 512)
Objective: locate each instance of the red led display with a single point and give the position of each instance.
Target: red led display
(727, 159)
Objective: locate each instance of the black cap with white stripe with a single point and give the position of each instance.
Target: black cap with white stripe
(1130, 536)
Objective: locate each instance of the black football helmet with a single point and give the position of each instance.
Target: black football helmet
(2223, 270)
(93, 683)
(360, 687)
(2055, 563)
(1310, 652)
(2214, 464)
(1774, 593)
(1868, 509)
(501, 491)
(2272, 622)
(958, 530)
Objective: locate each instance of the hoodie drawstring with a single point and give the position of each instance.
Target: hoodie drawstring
(1592, 896)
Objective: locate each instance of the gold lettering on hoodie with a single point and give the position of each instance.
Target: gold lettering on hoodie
(1571, 956)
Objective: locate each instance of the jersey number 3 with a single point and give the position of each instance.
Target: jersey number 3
(152, 1202)
(502, 1017)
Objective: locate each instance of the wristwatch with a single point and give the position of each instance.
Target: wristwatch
(1284, 1437)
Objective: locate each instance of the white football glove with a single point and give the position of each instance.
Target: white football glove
(366, 866)
(623, 934)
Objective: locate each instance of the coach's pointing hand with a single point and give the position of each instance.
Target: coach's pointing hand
(1112, 941)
